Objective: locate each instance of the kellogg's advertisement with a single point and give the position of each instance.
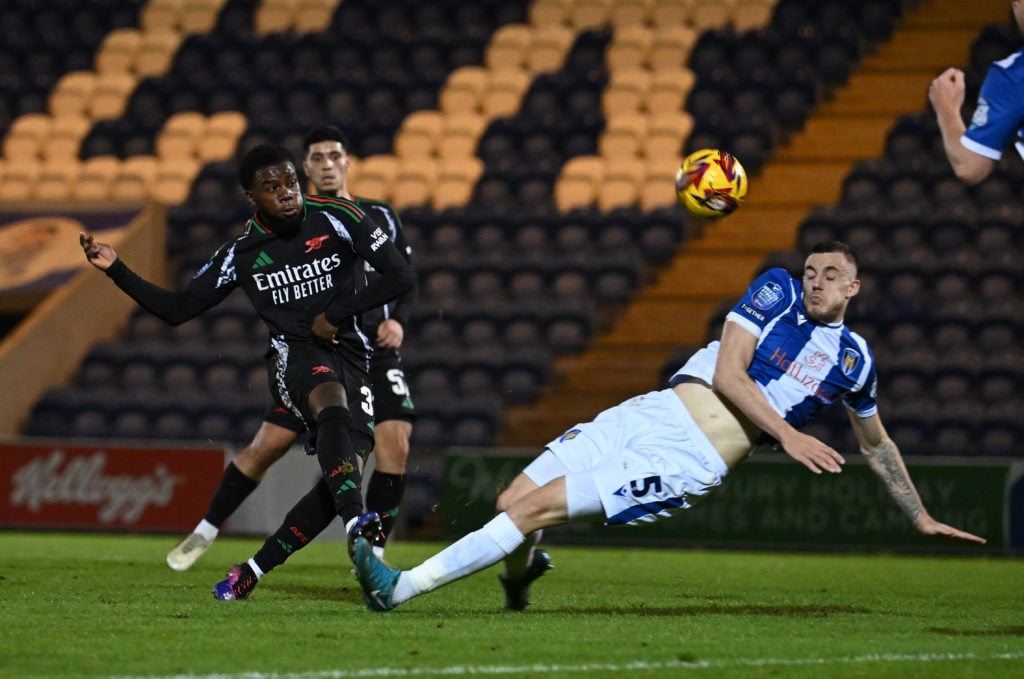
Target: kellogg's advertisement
(106, 487)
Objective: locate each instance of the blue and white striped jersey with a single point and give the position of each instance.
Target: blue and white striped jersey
(800, 366)
(999, 115)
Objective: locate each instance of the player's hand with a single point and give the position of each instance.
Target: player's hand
(812, 453)
(323, 331)
(390, 334)
(947, 90)
(100, 255)
(929, 526)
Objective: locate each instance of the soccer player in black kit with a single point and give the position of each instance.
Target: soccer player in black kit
(298, 262)
(326, 164)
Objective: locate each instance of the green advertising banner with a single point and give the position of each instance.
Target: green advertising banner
(772, 502)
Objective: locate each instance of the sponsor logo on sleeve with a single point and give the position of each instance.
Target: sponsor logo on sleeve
(767, 296)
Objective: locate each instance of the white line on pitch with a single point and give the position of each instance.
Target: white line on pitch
(468, 670)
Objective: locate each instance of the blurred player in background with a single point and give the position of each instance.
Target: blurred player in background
(326, 165)
(784, 354)
(300, 263)
(998, 118)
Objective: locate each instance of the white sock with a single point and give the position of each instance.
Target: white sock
(206, 529)
(471, 553)
(255, 569)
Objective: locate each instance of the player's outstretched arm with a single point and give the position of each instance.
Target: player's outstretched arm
(946, 93)
(100, 255)
(732, 381)
(885, 460)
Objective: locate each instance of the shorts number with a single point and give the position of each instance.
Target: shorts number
(397, 379)
(367, 403)
(648, 483)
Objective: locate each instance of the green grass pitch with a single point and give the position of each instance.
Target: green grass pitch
(108, 606)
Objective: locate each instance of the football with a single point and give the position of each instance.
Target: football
(710, 183)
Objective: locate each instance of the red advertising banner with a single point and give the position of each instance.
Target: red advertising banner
(106, 487)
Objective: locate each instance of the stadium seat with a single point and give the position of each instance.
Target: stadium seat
(508, 47)
(548, 48)
(504, 92)
(623, 137)
(463, 92)
(72, 93)
(578, 182)
(419, 134)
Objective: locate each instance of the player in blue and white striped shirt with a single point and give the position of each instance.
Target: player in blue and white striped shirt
(785, 353)
(998, 117)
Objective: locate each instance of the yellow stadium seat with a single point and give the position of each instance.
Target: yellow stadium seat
(464, 90)
(161, 15)
(668, 90)
(173, 180)
(373, 176)
(666, 134)
(414, 183)
(504, 92)
(97, 179)
(313, 16)
(24, 140)
(621, 184)
(199, 16)
(180, 135)
(507, 48)
(708, 14)
(118, 51)
(626, 92)
(456, 179)
(419, 134)
(19, 180)
(134, 179)
(219, 138)
(671, 47)
(110, 98)
(669, 12)
(623, 137)
(549, 12)
(274, 16)
(629, 48)
(658, 188)
(156, 52)
(64, 140)
(72, 93)
(460, 135)
(548, 47)
(750, 14)
(56, 181)
(587, 15)
(628, 13)
(578, 183)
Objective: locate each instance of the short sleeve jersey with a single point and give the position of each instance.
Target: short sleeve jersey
(799, 365)
(290, 279)
(999, 115)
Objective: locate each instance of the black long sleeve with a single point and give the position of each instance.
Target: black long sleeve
(173, 307)
(397, 277)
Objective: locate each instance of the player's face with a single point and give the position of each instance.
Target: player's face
(829, 282)
(326, 165)
(277, 194)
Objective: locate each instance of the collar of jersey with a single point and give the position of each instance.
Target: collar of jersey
(257, 219)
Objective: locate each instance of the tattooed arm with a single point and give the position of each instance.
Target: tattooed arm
(885, 460)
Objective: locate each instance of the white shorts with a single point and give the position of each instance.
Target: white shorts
(643, 460)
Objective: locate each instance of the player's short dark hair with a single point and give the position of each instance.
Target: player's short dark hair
(837, 246)
(259, 157)
(324, 133)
